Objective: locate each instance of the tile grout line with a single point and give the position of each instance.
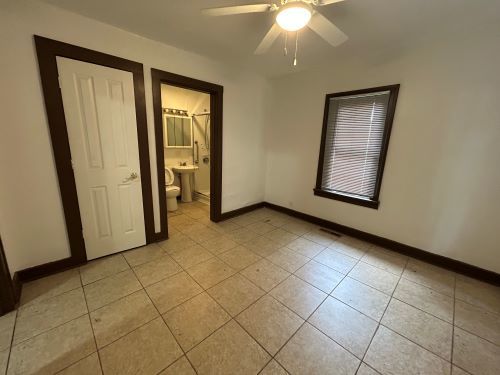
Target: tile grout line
(11, 343)
(453, 324)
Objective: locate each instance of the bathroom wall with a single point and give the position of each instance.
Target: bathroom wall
(441, 186)
(31, 218)
(193, 102)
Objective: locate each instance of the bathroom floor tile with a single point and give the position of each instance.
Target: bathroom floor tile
(390, 262)
(322, 277)
(475, 354)
(288, 259)
(270, 323)
(219, 245)
(478, 321)
(230, 350)
(261, 227)
(281, 236)
(156, 270)
(240, 257)
(147, 350)
(362, 297)
(242, 235)
(321, 237)
(299, 296)
(262, 246)
(235, 294)
(478, 293)
(345, 247)
(87, 366)
(375, 277)
(390, 353)
(173, 291)
(346, 326)
(179, 367)
(338, 261)
(305, 247)
(204, 234)
(433, 277)
(311, 352)
(273, 368)
(195, 319)
(110, 289)
(121, 317)
(191, 256)
(102, 268)
(211, 272)
(143, 254)
(265, 274)
(53, 350)
(6, 329)
(176, 242)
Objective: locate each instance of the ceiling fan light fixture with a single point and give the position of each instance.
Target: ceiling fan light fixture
(294, 16)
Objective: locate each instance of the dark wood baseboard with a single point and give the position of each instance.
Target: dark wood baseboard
(161, 236)
(241, 211)
(17, 286)
(47, 269)
(426, 256)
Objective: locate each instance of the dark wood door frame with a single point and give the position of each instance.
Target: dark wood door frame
(159, 77)
(47, 50)
(8, 295)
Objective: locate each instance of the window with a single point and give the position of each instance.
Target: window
(354, 141)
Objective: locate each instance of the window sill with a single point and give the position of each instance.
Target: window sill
(347, 198)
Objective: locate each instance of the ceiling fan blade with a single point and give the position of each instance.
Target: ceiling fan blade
(328, 2)
(327, 30)
(266, 43)
(238, 9)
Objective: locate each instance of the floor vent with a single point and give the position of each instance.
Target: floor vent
(330, 232)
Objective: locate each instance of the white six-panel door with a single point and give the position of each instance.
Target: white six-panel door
(99, 108)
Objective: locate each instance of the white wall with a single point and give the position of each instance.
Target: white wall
(441, 185)
(31, 217)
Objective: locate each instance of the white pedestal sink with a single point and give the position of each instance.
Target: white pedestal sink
(186, 171)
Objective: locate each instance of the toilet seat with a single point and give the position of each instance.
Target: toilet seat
(169, 176)
(172, 188)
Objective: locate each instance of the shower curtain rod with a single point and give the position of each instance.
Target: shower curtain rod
(201, 114)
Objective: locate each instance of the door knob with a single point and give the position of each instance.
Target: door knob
(133, 176)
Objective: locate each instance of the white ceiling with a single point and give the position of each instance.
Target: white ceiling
(376, 28)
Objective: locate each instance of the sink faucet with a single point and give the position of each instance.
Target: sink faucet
(182, 163)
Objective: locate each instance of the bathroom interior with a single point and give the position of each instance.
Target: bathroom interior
(186, 142)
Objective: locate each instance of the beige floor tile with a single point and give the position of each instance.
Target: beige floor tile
(179, 367)
(299, 296)
(53, 350)
(390, 353)
(362, 297)
(263, 246)
(298, 227)
(458, 371)
(364, 369)
(173, 291)
(281, 236)
(50, 286)
(424, 329)
(347, 248)
(176, 242)
(211, 272)
(433, 277)
(288, 259)
(273, 368)
(478, 293)
(191, 256)
(101, 268)
(41, 316)
(204, 234)
(305, 247)
(265, 274)
(191, 228)
(346, 326)
(311, 352)
(180, 220)
(375, 277)
(195, 319)
(196, 213)
(121, 317)
(388, 261)
(242, 235)
(474, 354)
(156, 270)
(88, 366)
(230, 350)
(147, 350)
(225, 226)
(219, 245)
(143, 254)
(338, 261)
(240, 257)
(425, 299)
(321, 237)
(6, 329)
(270, 323)
(110, 289)
(322, 277)
(4, 357)
(235, 294)
(261, 227)
(478, 321)
(278, 220)
(245, 219)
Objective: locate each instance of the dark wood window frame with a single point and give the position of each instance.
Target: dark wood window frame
(391, 107)
(47, 50)
(159, 77)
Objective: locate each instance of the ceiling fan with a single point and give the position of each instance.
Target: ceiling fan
(291, 15)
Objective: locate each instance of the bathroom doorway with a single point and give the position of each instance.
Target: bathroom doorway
(188, 131)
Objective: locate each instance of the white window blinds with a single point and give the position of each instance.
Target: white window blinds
(353, 143)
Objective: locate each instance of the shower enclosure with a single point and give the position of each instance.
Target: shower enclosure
(201, 155)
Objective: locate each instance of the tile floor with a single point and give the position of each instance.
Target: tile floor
(260, 293)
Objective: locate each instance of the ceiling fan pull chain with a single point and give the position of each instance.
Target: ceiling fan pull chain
(296, 47)
(286, 40)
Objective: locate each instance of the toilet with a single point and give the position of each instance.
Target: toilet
(172, 191)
